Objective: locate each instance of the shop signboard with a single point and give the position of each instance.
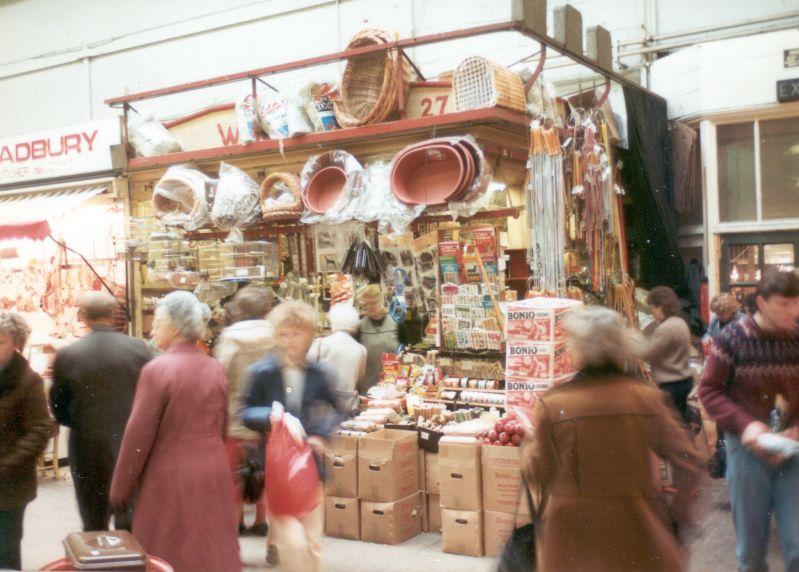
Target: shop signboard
(788, 90)
(60, 152)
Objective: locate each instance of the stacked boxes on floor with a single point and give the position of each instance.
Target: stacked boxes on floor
(342, 507)
(432, 489)
(505, 506)
(392, 506)
(460, 482)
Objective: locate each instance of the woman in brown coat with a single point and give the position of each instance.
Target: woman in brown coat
(592, 456)
(173, 451)
(24, 430)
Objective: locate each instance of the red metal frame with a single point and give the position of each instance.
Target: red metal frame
(459, 118)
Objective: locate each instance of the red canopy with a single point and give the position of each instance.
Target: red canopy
(35, 230)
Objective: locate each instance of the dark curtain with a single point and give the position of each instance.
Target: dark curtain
(646, 177)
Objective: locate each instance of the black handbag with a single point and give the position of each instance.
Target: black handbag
(717, 464)
(251, 474)
(519, 552)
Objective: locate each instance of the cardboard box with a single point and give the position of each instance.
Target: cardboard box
(497, 529)
(341, 466)
(422, 470)
(502, 480)
(538, 362)
(538, 319)
(343, 518)
(432, 483)
(392, 522)
(434, 513)
(388, 465)
(460, 476)
(462, 532)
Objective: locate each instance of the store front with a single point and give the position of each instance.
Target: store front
(62, 229)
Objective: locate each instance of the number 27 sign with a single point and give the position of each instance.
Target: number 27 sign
(429, 100)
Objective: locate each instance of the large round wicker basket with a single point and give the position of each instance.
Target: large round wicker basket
(478, 82)
(368, 91)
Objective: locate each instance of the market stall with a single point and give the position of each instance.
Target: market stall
(486, 207)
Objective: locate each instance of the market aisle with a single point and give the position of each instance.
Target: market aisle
(54, 513)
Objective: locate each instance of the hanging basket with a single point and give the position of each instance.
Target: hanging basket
(368, 91)
(272, 187)
(478, 83)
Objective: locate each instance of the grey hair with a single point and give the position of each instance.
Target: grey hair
(14, 326)
(186, 313)
(98, 306)
(343, 318)
(599, 337)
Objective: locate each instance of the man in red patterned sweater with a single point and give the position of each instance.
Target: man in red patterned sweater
(751, 388)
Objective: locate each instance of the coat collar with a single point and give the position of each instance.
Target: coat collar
(183, 347)
(12, 373)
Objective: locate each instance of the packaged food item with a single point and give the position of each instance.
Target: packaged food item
(538, 319)
(281, 117)
(318, 99)
(247, 118)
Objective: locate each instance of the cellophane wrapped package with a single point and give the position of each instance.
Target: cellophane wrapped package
(149, 137)
(180, 197)
(236, 204)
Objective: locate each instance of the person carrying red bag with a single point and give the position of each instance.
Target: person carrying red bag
(305, 390)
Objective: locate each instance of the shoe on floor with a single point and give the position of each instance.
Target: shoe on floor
(259, 529)
(272, 558)
(242, 529)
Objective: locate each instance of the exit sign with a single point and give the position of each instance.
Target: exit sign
(788, 90)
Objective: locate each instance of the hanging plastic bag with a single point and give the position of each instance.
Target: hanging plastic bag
(237, 200)
(247, 118)
(180, 197)
(150, 138)
(292, 487)
(282, 117)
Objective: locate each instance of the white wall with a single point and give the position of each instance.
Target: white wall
(724, 76)
(59, 59)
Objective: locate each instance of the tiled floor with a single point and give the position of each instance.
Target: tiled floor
(50, 517)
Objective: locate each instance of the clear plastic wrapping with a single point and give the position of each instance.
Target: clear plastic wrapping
(344, 207)
(180, 198)
(247, 118)
(236, 204)
(378, 202)
(149, 137)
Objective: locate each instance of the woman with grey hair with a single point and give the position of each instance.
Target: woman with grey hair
(26, 426)
(344, 356)
(590, 456)
(173, 452)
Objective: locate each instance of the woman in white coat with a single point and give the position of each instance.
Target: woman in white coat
(345, 356)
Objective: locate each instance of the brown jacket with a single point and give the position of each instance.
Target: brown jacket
(591, 457)
(24, 430)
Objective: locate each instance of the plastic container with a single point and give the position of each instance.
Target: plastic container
(324, 189)
(429, 175)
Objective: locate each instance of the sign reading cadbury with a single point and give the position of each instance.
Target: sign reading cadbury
(58, 152)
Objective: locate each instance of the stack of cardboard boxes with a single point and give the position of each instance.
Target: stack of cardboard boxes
(461, 498)
(373, 487)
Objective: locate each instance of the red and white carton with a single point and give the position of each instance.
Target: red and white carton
(538, 361)
(538, 319)
(524, 394)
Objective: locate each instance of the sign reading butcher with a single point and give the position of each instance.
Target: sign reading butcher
(60, 152)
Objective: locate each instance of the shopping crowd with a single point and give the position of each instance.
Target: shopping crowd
(169, 442)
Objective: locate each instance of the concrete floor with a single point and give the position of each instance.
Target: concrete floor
(54, 514)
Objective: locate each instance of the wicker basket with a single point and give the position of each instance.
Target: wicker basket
(369, 85)
(478, 83)
(284, 212)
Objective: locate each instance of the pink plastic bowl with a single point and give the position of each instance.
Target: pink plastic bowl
(428, 175)
(324, 188)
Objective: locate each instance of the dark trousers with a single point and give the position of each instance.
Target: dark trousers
(679, 392)
(11, 537)
(92, 468)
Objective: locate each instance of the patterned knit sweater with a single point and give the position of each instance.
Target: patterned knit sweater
(746, 370)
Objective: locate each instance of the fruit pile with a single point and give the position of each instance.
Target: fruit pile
(507, 432)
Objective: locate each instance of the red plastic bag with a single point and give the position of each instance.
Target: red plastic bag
(292, 482)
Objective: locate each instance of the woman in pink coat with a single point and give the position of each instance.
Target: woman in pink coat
(173, 451)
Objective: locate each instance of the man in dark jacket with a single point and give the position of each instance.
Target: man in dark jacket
(94, 381)
(24, 430)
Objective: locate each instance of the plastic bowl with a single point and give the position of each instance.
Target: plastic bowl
(470, 169)
(324, 189)
(428, 175)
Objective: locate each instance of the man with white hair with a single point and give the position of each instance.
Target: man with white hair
(345, 356)
(94, 381)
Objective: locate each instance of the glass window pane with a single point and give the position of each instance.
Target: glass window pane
(736, 156)
(744, 263)
(779, 160)
(779, 256)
